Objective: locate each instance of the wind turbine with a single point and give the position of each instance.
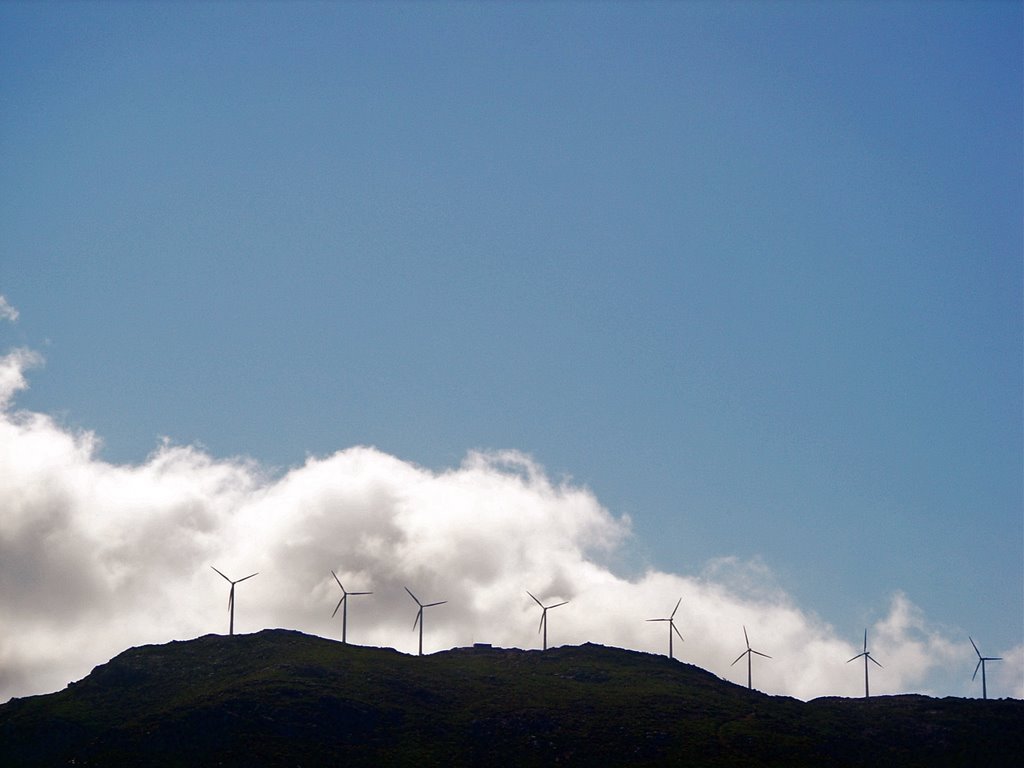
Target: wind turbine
(867, 655)
(981, 664)
(343, 604)
(544, 616)
(231, 597)
(671, 626)
(419, 614)
(749, 654)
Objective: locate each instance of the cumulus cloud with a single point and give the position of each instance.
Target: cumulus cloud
(12, 373)
(95, 557)
(7, 312)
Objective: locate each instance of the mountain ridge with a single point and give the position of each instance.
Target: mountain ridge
(281, 697)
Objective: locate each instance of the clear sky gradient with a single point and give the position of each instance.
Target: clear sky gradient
(750, 272)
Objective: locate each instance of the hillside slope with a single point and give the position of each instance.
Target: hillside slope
(280, 697)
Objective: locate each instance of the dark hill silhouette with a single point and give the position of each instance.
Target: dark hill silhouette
(284, 698)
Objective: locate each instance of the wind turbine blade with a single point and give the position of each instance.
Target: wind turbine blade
(556, 605)
(543, 618)
(865, 639)
(413, 596)
(222, 576)
(248, 577)
(538, 602)
(338, 606)
(740, 657)
(673, 614)
(873, 659)
(657, 619)
(439, 602)
(976, 670)
(994, 658)
(746, 638)
(855, 658)
(337, 579)
(359, 593)
(975, 646)
(231, 597)
(419, 615)
(760, 654)
(673, 626)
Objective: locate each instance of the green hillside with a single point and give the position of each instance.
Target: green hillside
(284, 698)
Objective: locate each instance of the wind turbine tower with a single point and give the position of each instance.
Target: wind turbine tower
(981, 665)
(419, 614)
(231, 598)
(749, 654)
(343, 604)
(671, 626)
(867, 655)
(544, 616)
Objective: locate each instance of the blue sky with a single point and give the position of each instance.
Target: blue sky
(748, 272)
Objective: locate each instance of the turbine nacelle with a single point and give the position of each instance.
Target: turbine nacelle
(865, 653)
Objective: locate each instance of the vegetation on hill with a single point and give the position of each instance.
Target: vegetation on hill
(280, 697)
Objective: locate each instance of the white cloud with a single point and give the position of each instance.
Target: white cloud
(1006, 677)
(12, 373)
(7, 312)
(95, 557)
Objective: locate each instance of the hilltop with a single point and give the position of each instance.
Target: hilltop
(280, 697)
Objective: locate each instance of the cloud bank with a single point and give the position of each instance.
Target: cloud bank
(96, 557)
